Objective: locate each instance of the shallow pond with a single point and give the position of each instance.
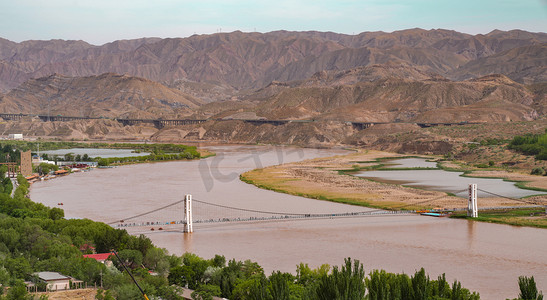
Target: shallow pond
(440, 180)
(96, 152)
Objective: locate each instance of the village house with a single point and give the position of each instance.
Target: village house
(100, 257)
(57, 282)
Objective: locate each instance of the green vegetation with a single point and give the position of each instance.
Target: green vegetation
(9, 153)
(528, 289)
(36, 238)
(45, 168)
(531, 144)
(5, 183)
(532, 217)
(158, 152)
(246, 280)
(56, 145)
(155, 156)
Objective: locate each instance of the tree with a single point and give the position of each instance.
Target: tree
(459, 293)
(206, 292)
(156, 259)
(69, 157)
(218, 261)
(255, 287)
(45, 168)
(528, 289)
(182, 276)
(130, 258)
(280, 283)
(103, 162)
(127, 291)
(348, 283)
(420, 282)
(56, 213)
(379, 285)
(441, 288)
(18, 267)
(18, 291)
(229, 277)
(104, 295)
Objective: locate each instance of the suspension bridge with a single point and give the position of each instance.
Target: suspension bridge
(190, 211)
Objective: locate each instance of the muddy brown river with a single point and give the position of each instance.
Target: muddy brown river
(487, 258)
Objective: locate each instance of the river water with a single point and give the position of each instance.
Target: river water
(96, 152)
(487, 258)
(441, 180)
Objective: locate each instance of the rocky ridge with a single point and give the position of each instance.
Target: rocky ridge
(252, 60)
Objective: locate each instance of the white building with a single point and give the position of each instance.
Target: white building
(15, 136)
(56, 281)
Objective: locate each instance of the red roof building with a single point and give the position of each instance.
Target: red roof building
(100, 257)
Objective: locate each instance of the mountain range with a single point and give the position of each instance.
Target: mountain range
(412, 75)
(252, 60)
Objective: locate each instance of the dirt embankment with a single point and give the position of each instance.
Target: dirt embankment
(320, 178)
(84, 294)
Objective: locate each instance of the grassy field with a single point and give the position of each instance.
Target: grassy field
(531, 217)
(268, 179)
(384, 197)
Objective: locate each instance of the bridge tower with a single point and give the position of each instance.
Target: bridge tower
(188, 226)
(472, 210)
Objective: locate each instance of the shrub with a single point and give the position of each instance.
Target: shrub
(538, 171)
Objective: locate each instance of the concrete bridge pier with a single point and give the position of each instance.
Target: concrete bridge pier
(472, 210)
(188, 226)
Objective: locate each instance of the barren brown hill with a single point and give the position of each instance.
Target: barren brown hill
(524, 64)
(399, 94)
(252, 60)
(108, 95)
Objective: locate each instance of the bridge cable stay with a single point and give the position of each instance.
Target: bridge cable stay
(425, 201)
(249, 210)
(308, 215)
(509, 198)
(148, 212)
(285, 214)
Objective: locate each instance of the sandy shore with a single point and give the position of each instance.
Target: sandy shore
(320, 178)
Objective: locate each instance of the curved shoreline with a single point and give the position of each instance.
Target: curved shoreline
(326, 179)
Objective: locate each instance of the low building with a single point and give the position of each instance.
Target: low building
(15, 136)
(36, 160)
(57, 282)
(92, 164)
(100, 257)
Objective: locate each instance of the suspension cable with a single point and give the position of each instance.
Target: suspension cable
(148, 212)
(509, 198)
(271, 212)
(249, 210)
(303, 214)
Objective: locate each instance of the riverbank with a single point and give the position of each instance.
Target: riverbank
(322, 179)
(488, 258)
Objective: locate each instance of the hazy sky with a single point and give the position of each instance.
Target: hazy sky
(102, 21)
